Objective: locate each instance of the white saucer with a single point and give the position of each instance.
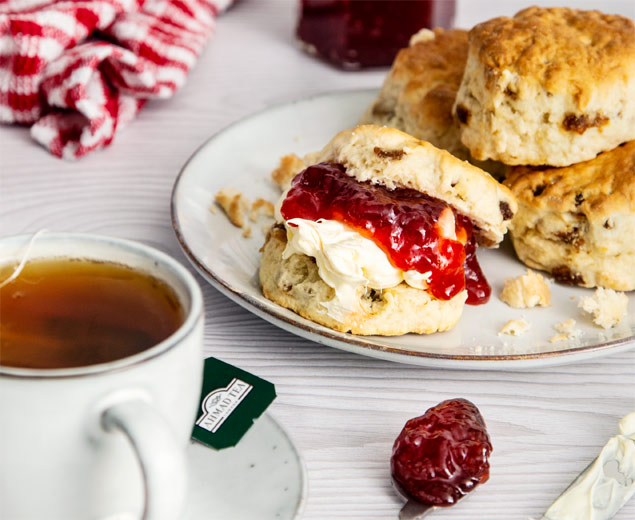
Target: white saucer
(263, 477)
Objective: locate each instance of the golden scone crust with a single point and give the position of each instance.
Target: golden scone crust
(290, 165)
(419, 92)
(386, 156)
(294, 283)
(549, 86)
(578, 222)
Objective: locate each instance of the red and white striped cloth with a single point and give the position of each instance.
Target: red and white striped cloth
(78, 71)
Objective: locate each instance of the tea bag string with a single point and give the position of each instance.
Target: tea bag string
(25, 258)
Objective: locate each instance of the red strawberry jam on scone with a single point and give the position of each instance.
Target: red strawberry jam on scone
(404, 223)
(377, 235)
(441, 456)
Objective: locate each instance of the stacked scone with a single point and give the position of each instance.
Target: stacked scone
(377, 233)
(553, 90)
(551, 94)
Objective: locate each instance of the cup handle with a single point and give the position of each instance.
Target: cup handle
(161, 458)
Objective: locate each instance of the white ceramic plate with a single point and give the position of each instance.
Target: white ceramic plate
(262, 477)
(243, 155)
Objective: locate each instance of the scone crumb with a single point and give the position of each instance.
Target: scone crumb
(212, 209)
(247, 232)
(607, 306)
(423, 35)
(566, 329)
(261, 207)
(234, 204)
(527, 290)
(290, 165)
(515, 327)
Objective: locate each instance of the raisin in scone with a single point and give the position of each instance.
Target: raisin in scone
(578, 222)
(378, 235)
(548, 87)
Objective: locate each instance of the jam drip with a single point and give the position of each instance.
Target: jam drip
(478, 290)
(441, 456)
(402, 222)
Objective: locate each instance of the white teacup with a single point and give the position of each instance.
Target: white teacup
(103, 441)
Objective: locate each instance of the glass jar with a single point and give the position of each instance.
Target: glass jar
(353, 34)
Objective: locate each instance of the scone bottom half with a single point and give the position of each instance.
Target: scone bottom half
(578, 223)
(295, 283)
(361, 248)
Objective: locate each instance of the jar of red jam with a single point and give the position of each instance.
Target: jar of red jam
(353, 34)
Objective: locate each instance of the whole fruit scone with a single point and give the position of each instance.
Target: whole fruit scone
(548, 87)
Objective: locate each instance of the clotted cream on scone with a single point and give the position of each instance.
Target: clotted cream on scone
(378, 235)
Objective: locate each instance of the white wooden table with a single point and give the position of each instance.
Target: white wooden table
(342, 410)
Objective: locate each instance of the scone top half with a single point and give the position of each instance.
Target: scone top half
(394, 159)
(548, 87)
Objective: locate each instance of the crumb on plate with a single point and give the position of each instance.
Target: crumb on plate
(261, 207)
(515, 327)
(566, 329)
(527, 290)
(290, 165)
(607, 307)
(234, 204)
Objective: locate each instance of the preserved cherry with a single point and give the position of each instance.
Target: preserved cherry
(441, 456)
(402, 222)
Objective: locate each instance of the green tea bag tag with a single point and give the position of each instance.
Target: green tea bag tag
(230, 401)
